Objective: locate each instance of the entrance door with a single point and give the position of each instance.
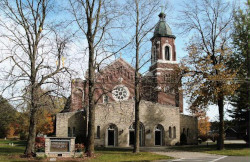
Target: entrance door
(132, 134)
(157, 137)
(131, 137)
(111, 137)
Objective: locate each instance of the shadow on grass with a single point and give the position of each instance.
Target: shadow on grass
(114, 149)
(11, 150)
(15, 142)
(7, 149)
(138, 161)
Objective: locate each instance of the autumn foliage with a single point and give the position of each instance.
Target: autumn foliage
(204, 127)
(40, 143)
(45, 123)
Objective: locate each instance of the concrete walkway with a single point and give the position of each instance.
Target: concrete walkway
(191, 156)
(188, 155)
(183, 155)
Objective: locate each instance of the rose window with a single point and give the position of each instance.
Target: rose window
(120, 93)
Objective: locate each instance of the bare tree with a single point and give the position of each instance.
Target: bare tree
(208, 79)
(95, 20)
(33, 44)
(141, 14)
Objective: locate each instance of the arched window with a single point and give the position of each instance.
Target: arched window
(105, 99)
(174, 130)
(159, 135)
(155, 54)
(74, 131)
(98, 132)
(132, 134)
(170, 132)
(183, 131)
(154, 57)
(111, 135)
(69, 132)
(167, 53)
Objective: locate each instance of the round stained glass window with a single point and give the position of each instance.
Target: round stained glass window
(120, 93)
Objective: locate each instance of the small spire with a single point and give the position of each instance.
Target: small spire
(162, 15)
(120, 55)
(162, 9)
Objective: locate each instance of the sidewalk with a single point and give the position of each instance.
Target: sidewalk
(183, 155)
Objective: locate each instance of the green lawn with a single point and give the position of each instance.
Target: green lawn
(125, 155)
(13, 153)
(230, 149)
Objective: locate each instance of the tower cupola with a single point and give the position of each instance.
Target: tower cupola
(162, 28)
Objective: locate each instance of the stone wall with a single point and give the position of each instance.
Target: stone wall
(71, 152)
(71, 124)
(121, 114)
(189, 126)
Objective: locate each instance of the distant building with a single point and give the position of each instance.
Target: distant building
(161, 107)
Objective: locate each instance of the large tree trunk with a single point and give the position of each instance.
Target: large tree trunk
(220, 141)
(137, 124)
(137, 104)
(30, 147)
(137, 91)
(91, 122)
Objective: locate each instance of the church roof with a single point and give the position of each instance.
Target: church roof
(119, 61)
(162, 28)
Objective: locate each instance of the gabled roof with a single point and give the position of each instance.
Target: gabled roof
(121, 61)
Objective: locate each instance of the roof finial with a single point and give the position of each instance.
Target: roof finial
(120, 55)
(162, 15)
(162, 9)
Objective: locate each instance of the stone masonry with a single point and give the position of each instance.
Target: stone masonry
(161, 105)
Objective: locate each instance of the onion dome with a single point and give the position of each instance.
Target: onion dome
(162, 28)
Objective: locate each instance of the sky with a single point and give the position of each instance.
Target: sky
(172, 14)
(175, 7)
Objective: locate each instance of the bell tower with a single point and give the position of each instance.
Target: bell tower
(164, 66)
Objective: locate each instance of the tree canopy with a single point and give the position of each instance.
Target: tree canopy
(7, 116)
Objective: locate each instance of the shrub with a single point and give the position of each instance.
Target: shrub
(79, 147)
(40, 144)
(214, 137)
(23, 136)
(203, 137)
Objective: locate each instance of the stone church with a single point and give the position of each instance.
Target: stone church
(161, 107)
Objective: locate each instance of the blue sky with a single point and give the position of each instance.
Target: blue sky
(172, 14)
(175, 7)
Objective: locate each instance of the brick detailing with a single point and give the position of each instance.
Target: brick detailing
(77, 90)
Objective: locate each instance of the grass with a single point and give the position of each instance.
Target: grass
(125, 155)
(229, 150)
(13, 153)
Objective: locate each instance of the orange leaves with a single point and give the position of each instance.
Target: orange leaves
(45, 124)
(204, 125)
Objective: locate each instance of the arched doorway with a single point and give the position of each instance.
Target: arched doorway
(132, 134)
(159, 134)
(111, 135)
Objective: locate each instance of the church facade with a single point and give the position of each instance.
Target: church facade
(161, 101)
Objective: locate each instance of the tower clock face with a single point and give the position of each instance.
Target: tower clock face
(120, 93)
